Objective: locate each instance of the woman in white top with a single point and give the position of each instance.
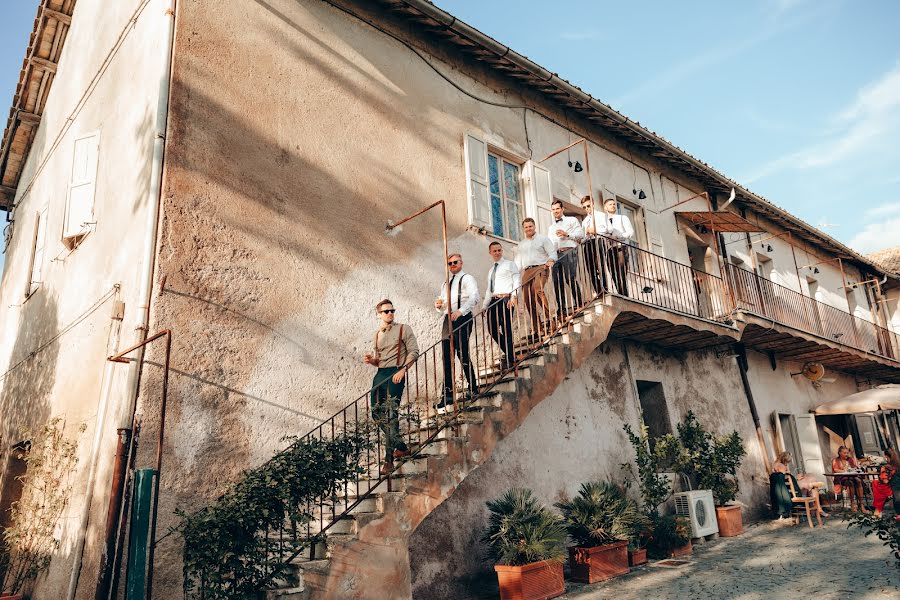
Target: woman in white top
(619, 229)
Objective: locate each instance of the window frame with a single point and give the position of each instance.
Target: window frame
(502, 161)
(38, 245)
(70, 239)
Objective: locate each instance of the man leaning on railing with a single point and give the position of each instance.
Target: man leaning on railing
(395, 349)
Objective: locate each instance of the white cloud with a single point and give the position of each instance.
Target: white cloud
(869, 125)
(885, 210)
(877, 236)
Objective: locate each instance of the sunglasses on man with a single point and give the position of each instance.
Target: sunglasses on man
(452, 263)
(389, 311)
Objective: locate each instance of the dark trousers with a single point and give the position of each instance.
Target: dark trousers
(462, 329)
(616, 261)
(565, 271)
(593, 261)
(499, 321)
(385, 401)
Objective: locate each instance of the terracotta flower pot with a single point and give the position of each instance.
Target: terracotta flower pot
(535, 581)
(730, 522)
(682, 551)
(637, 558)
(599, 563)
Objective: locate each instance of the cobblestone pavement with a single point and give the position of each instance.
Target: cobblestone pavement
(767, 561)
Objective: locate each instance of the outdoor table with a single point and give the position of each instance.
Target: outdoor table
(864, 477)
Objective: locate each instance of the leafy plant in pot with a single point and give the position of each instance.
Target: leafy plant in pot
(670, 536)
(526, 541)
(601, 521)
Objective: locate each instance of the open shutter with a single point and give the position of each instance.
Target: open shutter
(809, 446)
(37, 253)
(80, 209)
(538, 195)
(478, 186)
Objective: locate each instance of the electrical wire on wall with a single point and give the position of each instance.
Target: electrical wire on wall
(524, 107)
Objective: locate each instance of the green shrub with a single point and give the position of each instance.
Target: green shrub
(655, 487)
(710, 462)
(228, 552)
(667, 533)
(886, 529)
(601, 514)
(521, 531)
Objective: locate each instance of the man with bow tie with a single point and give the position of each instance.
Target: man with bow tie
(395, 349)
(464, 298)
(565, 233)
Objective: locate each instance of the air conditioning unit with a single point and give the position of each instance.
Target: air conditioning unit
(700, 510)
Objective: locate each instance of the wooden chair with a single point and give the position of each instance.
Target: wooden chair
(801, 505)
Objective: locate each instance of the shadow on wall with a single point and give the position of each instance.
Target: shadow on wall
(28, 383)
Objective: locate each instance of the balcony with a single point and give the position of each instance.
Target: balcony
(793, 326)
(664, 302)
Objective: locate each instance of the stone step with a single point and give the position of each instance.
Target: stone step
(292, 593)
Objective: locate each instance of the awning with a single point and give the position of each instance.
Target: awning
(723, 220)
(882, 397)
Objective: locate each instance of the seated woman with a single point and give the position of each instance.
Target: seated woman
(843, 463)
(888, 484)
(808, 486)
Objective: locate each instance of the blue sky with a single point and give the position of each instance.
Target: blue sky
(797, 99)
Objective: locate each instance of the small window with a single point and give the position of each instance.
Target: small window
(82, 184)
(654, 410)
(635, 214)
(496, 201)
(507, 209)
(36, 270)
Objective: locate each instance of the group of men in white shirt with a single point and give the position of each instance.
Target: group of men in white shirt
(395, 347)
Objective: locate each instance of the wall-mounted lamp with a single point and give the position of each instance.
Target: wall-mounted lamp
(837, 335)
(701, 228)
(639, 193)
(766, 247)
(815, 270)
(647, 289)
(576, 165)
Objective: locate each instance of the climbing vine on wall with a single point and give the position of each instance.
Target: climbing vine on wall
(235, 548)
(31, 539)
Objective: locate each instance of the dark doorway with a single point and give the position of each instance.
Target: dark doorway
(654, 410)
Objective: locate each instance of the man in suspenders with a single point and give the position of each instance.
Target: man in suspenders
(464, 298)
(394, 350)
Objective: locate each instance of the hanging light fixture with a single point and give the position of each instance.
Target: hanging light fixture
(578, 168)
(642, 195)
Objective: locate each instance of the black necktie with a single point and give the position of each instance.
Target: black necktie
(452, 279)
(494, 274)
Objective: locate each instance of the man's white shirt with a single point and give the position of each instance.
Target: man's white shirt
(615, 226)
(469, 298)
(535, 251)
(571, 226)
(507, 278)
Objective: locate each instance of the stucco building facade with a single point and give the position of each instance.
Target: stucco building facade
(293, 130)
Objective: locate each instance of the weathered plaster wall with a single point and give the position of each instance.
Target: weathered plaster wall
(44, 375)
(576, 435)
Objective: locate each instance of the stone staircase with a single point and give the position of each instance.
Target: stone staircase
(366, 553)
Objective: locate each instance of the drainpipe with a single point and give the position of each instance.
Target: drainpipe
(742, 367)
(154, 196)
(99, 428)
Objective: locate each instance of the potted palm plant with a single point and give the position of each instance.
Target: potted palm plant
(526, 541)
(601, 521)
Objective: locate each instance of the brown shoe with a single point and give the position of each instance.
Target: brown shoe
(398, 453)
(386, 467)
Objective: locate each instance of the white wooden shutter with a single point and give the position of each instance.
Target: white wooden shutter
(37, 254)
(538, 195)
(478, 184)
(80, 207)
(809, 446)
